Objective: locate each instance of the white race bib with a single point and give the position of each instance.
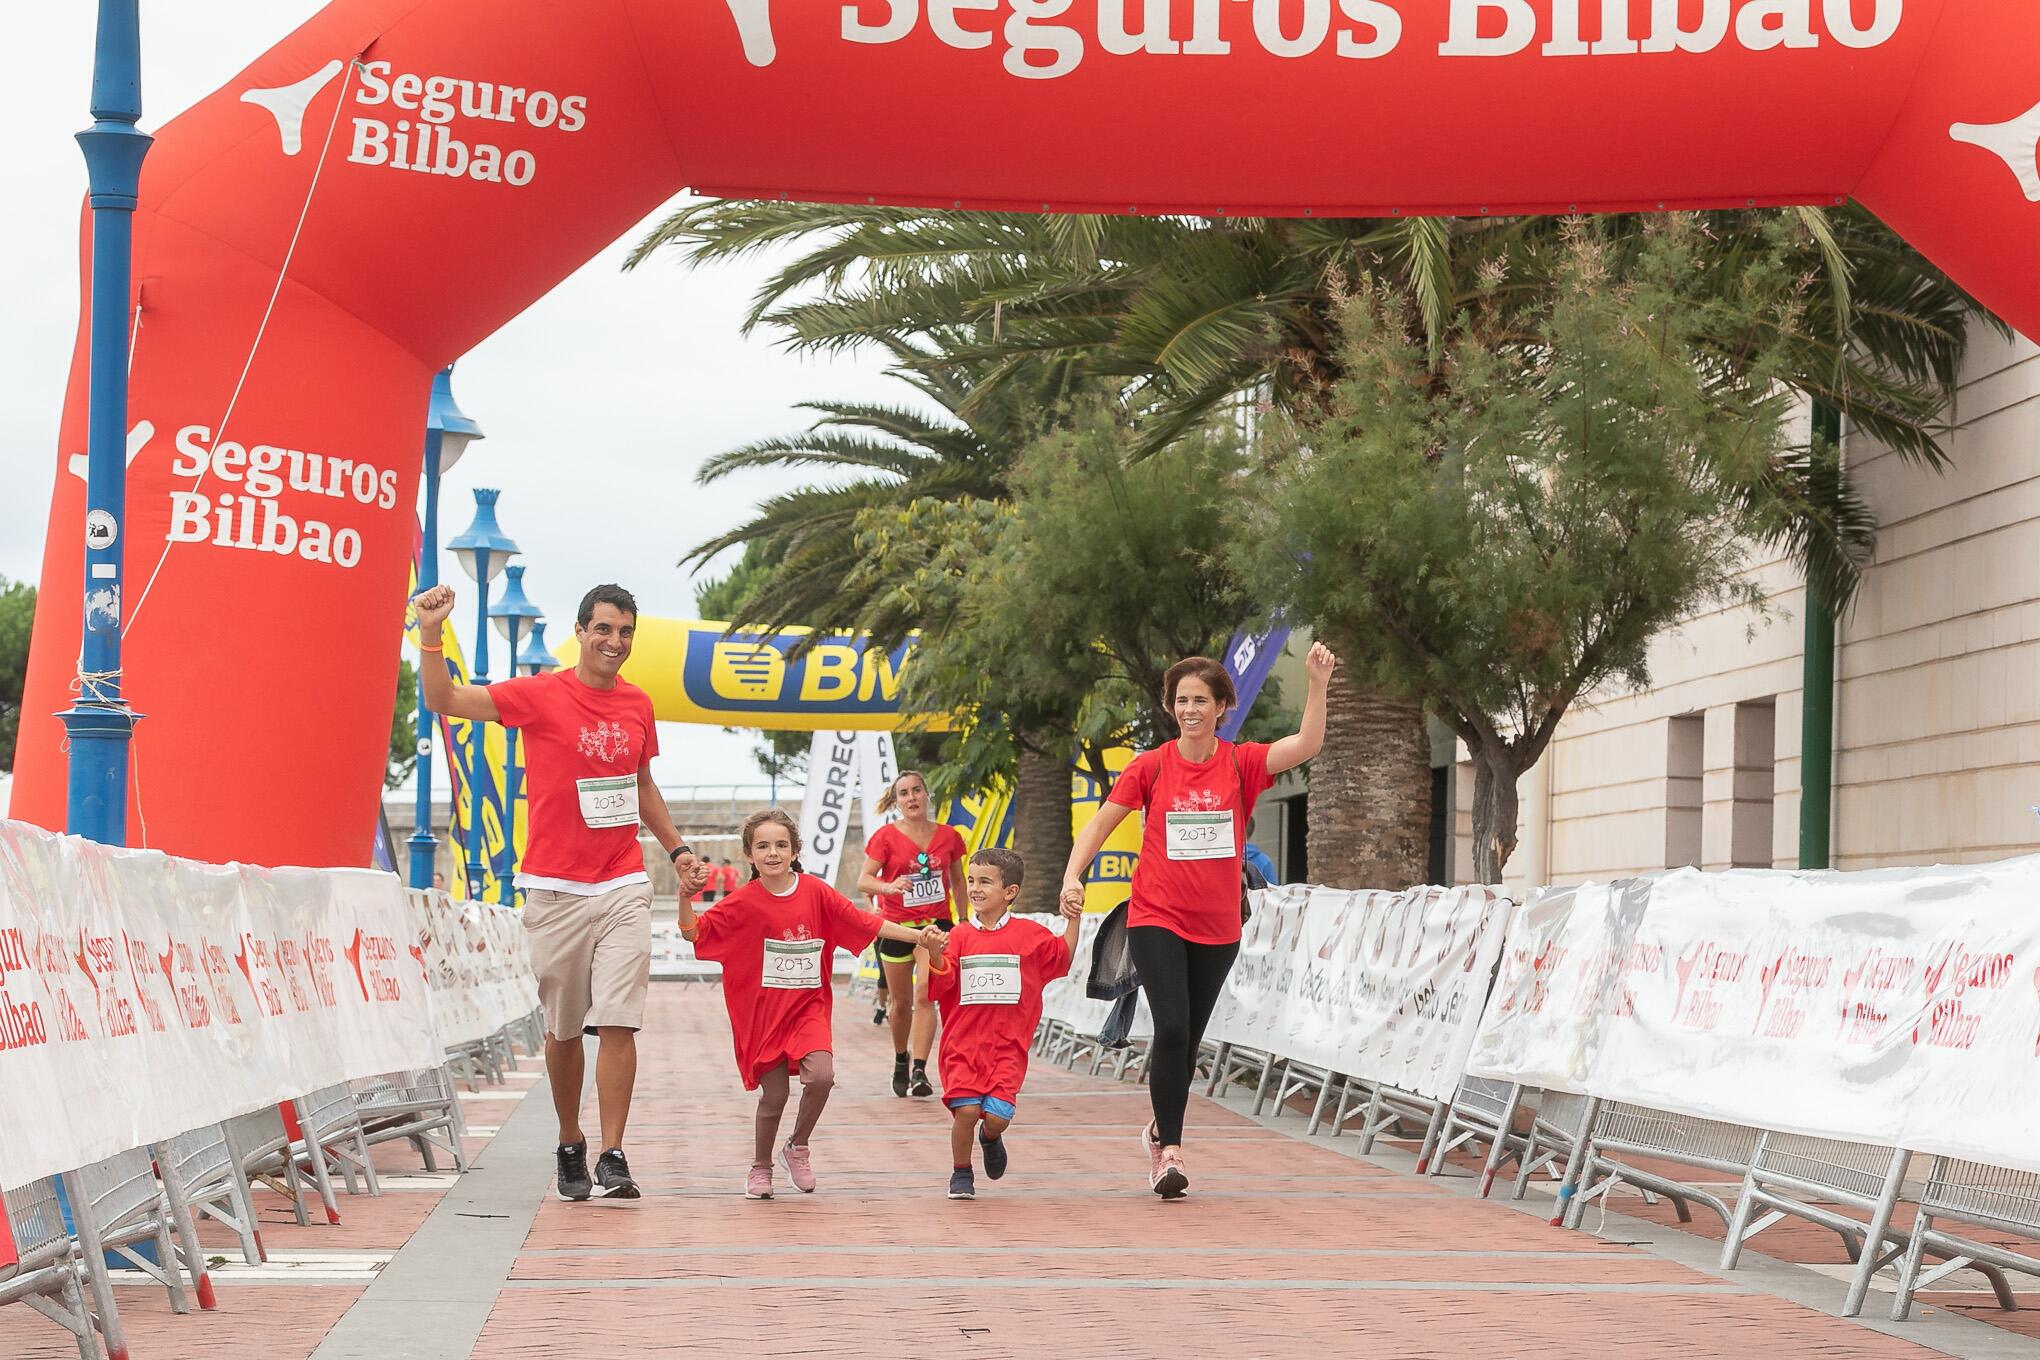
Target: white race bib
(926, 892)
(990, 979)
(1200, 835)
(609, 802)
(793, 965)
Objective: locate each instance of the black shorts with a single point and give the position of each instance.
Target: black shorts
(899, 951)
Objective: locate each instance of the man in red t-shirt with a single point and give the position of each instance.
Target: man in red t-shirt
(589, 738)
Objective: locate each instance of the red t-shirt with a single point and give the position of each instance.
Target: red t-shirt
(985, 1040)
(780, 1008)
(1198, 899)
(582, 752)
(897, 854)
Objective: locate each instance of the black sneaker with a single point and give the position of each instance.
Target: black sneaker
(920, 1086)
(961, 1184)
(612, 1173)
(878, 1015)
(573, 1183)
(994, 1150)
(899, 1076)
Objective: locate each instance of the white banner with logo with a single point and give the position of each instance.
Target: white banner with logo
(1383, 986)
(143, 996)
(477, 962)
(835, 760)
(1894, 1007)
(877, 767)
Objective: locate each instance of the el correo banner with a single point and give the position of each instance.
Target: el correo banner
(143, 996)
(834, 761)
(1387, 987)
(1894, 1007)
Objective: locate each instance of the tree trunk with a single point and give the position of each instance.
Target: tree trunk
(1041, 826)
(1370, 792)
(1494, 811)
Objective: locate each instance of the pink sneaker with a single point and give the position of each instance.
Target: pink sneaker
(1154, 1152)
(758, 1185)
(1170, 1181)
(798, 1166)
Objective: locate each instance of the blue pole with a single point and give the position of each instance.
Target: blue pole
(424, 845)
(506, 887)
(100, 725)
(478, 732)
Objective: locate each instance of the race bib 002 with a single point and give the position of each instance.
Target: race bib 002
(1200, 835)
(926, 892)
(990, 980)
(793, 965)
(608, 802)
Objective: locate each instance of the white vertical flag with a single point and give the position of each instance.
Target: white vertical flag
(825, 807)
(877, 767)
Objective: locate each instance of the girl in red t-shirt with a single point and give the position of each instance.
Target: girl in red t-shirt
(1195, 795)
(776, 939)
(913, 872)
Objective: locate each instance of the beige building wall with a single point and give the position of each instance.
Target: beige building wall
(1937, 705)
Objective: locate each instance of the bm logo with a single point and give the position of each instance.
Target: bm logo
(751, 674)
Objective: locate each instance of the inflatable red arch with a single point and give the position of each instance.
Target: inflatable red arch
(399, 178)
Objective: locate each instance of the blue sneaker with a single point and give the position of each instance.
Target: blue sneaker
(962, 1185)
(994, 1150)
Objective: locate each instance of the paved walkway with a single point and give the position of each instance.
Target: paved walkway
(1286, 1245)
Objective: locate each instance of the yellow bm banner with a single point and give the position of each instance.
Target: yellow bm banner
(699, 672)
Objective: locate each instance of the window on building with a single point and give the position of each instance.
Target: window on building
(1756, 783)
(1685, 771)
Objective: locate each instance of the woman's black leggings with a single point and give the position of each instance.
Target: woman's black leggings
(1182, 981)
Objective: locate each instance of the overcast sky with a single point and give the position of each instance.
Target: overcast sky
(647, 372)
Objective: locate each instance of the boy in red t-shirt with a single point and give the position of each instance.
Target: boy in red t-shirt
(989, 988)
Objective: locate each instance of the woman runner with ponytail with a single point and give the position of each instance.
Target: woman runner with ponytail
(913, 873)
(1196, 795)
(776, 939)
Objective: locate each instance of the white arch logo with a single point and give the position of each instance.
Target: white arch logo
(2015, 142)
(754, 27)
(287, 103)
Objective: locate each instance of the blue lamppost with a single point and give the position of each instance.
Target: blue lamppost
(513, 613)
(448, 432)
(100, 725)
(484, 550)
(535, 659)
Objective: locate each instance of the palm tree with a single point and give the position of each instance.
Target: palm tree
(1190, 315)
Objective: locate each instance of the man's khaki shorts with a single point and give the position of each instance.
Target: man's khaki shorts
(593, 957)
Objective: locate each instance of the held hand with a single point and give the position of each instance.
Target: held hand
(693, 877)
(434, 606)
(1072, 912)
(1073, 896)
(934, 940)
(1321, 662)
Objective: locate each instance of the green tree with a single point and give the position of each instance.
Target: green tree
(1049, 621)
(1192, 315)
(1574, 473)
(403, 727)
(17, 622)
(780, 755)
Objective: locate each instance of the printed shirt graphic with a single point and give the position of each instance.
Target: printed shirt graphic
(897, 855)
(573, 733)
(984, 1048)
(771, 1025)
(1197, 899)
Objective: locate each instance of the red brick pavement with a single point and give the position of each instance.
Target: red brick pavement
(1283, 1246)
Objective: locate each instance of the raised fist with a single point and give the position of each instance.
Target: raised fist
(1321, 662)
(434, 606)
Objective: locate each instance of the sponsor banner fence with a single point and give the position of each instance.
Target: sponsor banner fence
(1064, 998)
(1893, 1007)
(1387, 987)
(143, 996)
(476, 962)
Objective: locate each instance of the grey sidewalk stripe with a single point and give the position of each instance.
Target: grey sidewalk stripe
(976, 1283)
(432, 1301)
(948, 1245)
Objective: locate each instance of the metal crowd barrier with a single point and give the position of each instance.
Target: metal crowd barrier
(1978, 1196)
(50, 1274)
(421, 1107)
(1623, 1135)
(209, 1178)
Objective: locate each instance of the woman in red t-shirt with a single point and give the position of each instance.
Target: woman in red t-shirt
(776, 938)
(913, 872)
(1196, 795)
